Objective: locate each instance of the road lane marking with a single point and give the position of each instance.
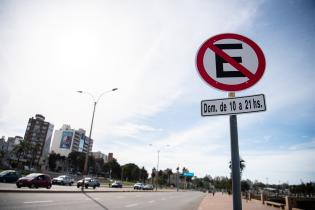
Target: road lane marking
(152, 201)
(30, 202)
(131, 205)
(120, 197)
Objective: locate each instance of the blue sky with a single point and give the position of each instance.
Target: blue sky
(147, 49)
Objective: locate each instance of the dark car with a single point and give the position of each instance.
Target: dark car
(63, 180)
(9, 176)
(88, 182)
(117, 184)
(34, 180)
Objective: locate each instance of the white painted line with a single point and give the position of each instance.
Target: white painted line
(120, 197)
(29, 202)
(131, 205)
(152, 201)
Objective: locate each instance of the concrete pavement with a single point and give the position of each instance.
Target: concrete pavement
(224, 202)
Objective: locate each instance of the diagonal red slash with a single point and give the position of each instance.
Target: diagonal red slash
(231, 61)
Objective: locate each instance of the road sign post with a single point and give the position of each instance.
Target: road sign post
(235, 161)
(232, 62)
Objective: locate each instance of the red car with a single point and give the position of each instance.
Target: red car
(34, 180)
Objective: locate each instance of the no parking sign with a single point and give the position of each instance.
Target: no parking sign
(230, 62)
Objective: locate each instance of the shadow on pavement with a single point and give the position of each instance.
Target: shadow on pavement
(95, 201)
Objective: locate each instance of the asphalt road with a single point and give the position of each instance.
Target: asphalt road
(12, 186)
(102, 201)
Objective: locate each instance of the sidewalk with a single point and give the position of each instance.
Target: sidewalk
(224, 202)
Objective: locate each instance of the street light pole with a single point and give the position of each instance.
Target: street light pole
(157, 166)
(157, 170)
(85, 169)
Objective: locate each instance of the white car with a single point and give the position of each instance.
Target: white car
(148, 187)
(138, 186)
(63, 180)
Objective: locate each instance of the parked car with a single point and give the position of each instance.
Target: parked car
(63, 180)
(88, 182)
(34, 180)
(148, 187)
(9, 176)
(117, 184)
(138, 186)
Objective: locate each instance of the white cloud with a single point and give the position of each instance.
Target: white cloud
(50, 49)
(131, 130)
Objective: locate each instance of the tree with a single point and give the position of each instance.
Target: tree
(21, 149)
(76, 160)
(52, 159)
(143, 175)
(244, 186)
(113, 167)
(169, 172)
(242, 166)
(131, 172)
(153, 174)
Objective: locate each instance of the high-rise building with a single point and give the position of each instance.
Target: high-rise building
(39, 133)
(67, 140)
(110, 156)
(12, 142)
(3, 144)
(100, 155)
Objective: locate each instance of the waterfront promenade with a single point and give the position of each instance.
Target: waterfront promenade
(224, 202)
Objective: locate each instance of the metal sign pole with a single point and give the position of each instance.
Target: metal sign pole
(236, 178)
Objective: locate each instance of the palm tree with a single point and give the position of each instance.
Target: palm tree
(21, 149)
(242, 165)
(169, 172)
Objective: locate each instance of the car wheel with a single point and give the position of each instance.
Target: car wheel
(18, 185)
(49, 186)
(31, 186)
(94, 187)
(78, 186)
(86, 186)
(4, 180)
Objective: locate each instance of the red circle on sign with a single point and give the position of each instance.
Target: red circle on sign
(253, 77)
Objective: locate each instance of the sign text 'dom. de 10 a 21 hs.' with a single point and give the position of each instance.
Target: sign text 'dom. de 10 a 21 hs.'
(238, 105)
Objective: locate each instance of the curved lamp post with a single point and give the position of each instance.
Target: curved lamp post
(85, 170)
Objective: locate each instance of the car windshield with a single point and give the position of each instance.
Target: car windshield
(4, 173)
